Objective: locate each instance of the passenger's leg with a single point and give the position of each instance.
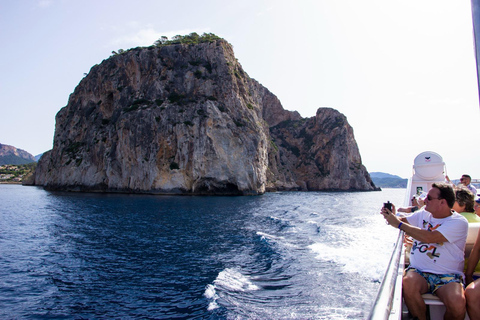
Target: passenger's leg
(453, 297)
(414, 285)
(472, 293)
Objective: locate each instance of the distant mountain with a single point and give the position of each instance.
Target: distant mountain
(382, 175)
(12, 155)
(385, 180)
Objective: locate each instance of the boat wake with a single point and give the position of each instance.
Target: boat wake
(228, 282)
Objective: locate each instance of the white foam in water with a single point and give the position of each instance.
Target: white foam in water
(269, 236)
(354, 248)
(353, 253)
(275, 218)
(211, 294)
(228, 281)
(232, 280)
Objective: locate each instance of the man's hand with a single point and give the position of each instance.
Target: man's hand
(390, 216)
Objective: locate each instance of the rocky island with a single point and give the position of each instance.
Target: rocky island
(183, 117)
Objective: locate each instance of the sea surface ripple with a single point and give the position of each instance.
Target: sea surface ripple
(286, 255)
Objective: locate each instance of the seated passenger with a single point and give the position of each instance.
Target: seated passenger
(477, 207)
(472, 292)
(417, 203)
(465, 181)
(437, 255)
(464, 202)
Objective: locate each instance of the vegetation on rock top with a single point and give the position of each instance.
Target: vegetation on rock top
(190, 39)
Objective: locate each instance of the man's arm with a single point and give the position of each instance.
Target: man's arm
(415, 232)
(423, 235)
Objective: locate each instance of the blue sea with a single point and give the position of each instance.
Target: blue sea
(284, 255)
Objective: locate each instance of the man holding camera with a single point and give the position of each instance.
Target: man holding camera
(437, 255)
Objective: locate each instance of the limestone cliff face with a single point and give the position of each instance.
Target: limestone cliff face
(319, 153)
(187, 119)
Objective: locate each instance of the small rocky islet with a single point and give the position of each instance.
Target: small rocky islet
(183, 117)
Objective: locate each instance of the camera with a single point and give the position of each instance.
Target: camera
(388, 205)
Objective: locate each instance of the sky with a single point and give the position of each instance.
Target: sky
(402, 71)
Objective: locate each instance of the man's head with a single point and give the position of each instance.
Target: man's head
(440, 199)
(465, 179)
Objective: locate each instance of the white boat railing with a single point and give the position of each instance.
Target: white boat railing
(388, 304)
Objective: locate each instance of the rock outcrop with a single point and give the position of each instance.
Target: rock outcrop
(319, 153)
(187, 119)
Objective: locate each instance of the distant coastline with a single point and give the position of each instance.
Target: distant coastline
(386, 180)
(16, 174)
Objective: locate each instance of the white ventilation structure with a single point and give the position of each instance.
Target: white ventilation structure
(428, 168)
